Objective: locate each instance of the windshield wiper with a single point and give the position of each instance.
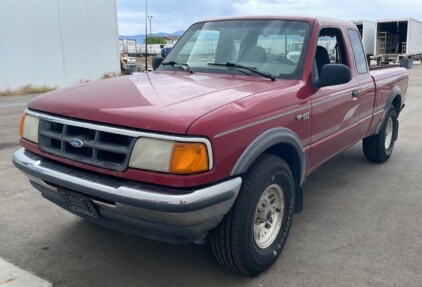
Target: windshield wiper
(183, 67)
(254, 70)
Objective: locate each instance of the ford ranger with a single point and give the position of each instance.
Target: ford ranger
(215, 143)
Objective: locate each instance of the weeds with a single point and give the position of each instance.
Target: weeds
(112, 75)
(30, 89)
(27, 89)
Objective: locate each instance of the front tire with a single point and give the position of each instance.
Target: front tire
(379, 147)
(252, 235)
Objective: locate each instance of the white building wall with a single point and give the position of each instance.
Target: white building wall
(57, 43)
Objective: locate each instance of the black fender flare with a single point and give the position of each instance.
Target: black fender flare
(266, 140)
(396, 91)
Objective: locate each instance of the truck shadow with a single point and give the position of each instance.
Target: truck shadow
(126, 260)
(92, 254)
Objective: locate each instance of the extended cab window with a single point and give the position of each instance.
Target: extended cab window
(358, 52)
(275, 47)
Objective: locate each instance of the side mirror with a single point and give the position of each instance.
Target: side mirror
(156, 61)
(334, 74)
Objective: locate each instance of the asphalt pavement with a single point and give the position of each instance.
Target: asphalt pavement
(361, 225)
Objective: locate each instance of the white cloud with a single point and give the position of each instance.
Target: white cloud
(173, 15)
(344, 10)
(262, 7)
(168, 15)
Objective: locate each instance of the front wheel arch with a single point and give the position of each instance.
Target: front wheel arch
(281, 142)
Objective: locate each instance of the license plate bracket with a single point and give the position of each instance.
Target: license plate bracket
(78, 202)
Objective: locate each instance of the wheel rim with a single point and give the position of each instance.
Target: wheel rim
(269, 216)
(388, 133)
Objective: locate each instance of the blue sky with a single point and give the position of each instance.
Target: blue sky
(174, 15)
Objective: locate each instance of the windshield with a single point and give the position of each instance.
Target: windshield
(264, 45)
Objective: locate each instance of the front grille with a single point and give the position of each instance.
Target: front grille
(99, 148)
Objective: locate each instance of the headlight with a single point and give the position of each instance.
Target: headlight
(169, 156)
(28, 128)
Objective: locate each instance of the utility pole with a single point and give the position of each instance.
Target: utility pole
(150, 26)
(146, 35)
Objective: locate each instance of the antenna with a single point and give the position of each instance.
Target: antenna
(146, 35)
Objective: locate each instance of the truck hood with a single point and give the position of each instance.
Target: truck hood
(158, 101)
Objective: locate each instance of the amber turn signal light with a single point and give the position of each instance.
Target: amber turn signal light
(21, 125)
(189, 158)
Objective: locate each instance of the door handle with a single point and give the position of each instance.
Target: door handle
(355, 94)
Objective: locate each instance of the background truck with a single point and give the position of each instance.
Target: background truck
(397, 39)
(153, 49)
(217, 141)
(367, 32)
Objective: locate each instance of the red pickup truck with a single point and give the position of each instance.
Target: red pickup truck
(217, 141)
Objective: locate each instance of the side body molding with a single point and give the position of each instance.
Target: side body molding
(266, 140)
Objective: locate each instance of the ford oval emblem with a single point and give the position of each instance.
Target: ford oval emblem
(76, 142)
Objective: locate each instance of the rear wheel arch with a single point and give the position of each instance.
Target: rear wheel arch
(379, 147)
(396, 103)
(393, 100)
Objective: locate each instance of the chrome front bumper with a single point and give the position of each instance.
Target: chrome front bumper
(141, 209)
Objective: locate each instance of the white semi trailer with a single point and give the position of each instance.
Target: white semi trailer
(367, 32)
(398, 39)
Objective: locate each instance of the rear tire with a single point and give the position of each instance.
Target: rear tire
(379, 147)
(252, 235)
